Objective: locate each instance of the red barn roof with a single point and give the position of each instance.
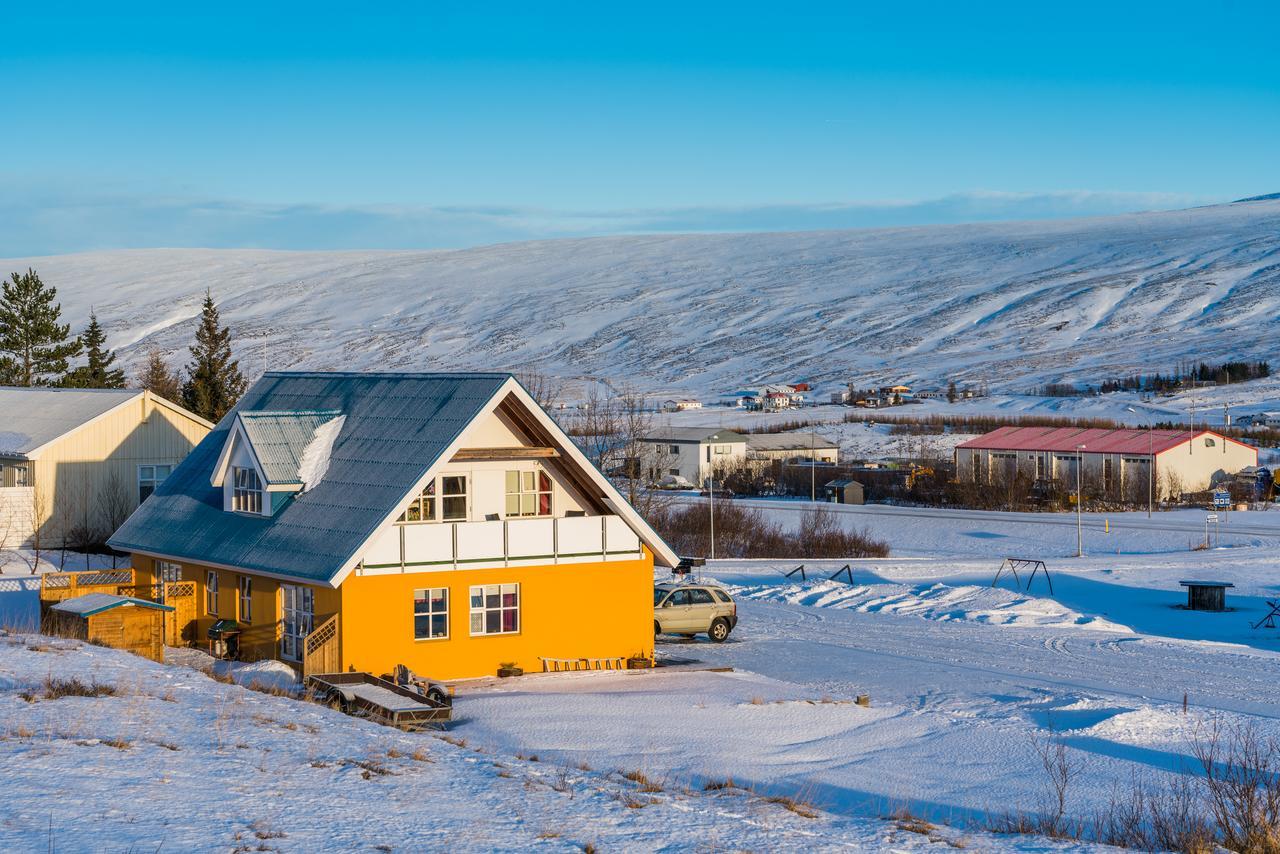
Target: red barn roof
(1096, 440)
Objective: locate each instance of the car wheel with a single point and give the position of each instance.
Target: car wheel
(657, 628)
(719, 630)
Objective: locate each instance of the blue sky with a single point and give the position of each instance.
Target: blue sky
(447, 124)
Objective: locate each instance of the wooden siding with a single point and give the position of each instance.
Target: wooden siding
(77, 476)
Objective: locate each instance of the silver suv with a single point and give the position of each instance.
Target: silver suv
(690, 609)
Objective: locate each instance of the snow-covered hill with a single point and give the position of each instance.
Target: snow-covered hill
(1012, 304)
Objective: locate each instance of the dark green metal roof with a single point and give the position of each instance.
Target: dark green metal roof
(396, 427)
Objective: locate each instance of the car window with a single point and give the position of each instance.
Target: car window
(680, 597)
(701, 597)
(722, 596)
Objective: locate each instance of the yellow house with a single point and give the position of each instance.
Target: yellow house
(440, 521)
(74, 463)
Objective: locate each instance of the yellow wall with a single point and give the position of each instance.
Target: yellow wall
(584, 610)
(260, 637)
(75, 475)
(581, 610)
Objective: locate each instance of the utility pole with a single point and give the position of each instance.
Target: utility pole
(813, 470)
(1079, 502)
(711, 496)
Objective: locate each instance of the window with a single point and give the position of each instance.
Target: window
(675, 449)
(15, 474)
(675, 472)
(246, 495)
(721, 450)
(431, 613)
(700, 597)
(211, 593)
(453, 498)
(422, 508)
(1108, 473)
(680, 597)
(1209, 443)
(244, 603)
(1040, 466)
(528, 493)
(722, 596)
(495, 609)
(169, 571)
(658, 594)
(149, 477)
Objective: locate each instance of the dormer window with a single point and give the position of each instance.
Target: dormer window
(246, 496)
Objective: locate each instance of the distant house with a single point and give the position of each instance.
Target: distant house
(792, 446)
(693, 453)
(682, 405)
(776, 400)
(445, 522)
(840, 397)
(1260, 420)
(1121, 461)
(74, 463)
(891, 391)
(844, 491)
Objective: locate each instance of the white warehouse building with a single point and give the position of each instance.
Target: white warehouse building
(1122, 461)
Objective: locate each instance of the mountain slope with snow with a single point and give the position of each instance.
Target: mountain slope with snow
(1010, 304)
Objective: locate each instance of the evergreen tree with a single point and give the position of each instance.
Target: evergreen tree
(97, 373)
(34, 346)
(159, 380)
(951, 392)
(214, 382)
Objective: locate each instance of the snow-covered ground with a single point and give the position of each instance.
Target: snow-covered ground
(174, 760)
(963, 678)
(1011, 305)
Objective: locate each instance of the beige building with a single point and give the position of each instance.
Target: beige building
(74, 463)
(1122, 462)
(792, 446)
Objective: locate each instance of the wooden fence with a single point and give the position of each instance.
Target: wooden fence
(57, 586)
(321, 653)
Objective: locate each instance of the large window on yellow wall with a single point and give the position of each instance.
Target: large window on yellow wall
(244, 602)
(495, 609)
(528, 493)
(211, 593)
(431, 613)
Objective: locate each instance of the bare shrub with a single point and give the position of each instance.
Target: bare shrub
(73, 687)
(1241, 784)
(743, 531)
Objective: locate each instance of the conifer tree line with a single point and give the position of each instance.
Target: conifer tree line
(38, 349)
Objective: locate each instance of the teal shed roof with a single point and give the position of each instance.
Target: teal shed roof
(279, 438)
(396, 427)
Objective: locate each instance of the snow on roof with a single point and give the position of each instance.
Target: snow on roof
(281, 438)
(1096, 440)
(33, 417)
(694, 434)
(95, 603)
(788, 442)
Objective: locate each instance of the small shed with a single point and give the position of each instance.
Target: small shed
(844, 492)
(1206, 595)
(122, 622)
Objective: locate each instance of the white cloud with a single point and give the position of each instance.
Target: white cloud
(39, 218)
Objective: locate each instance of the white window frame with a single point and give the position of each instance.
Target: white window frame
(427, 595)
(444, 497)
(484, 609)
(523, 491)
(211, 593)
(297, 611)
(149, 477)
(168, 570)
(244, 599)
(247, 497)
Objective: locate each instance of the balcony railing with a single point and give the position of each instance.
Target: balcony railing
(509, 542)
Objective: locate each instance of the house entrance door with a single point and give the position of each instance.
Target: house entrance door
(298, 610)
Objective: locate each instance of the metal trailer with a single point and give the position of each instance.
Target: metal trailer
(366, 696)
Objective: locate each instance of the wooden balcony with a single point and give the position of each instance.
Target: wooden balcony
(431, 546)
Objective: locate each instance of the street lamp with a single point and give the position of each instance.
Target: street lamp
(1079, 521)
(1151, 461)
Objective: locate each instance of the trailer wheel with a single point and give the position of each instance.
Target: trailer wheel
(439, 696)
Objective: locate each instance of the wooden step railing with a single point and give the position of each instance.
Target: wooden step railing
(320, 650)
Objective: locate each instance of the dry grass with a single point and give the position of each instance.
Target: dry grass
(55, 688)
(420, 755)
(118, 743)
(800, 807)
(720, 785)
(645, 784)
(456, 742)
